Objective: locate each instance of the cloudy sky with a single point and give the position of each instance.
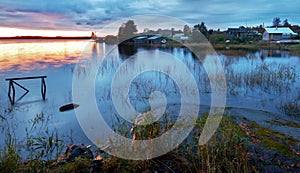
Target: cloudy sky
(90, 15)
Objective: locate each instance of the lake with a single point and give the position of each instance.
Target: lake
(259, 80)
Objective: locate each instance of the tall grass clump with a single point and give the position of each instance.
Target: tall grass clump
(9, 154)
(226, 151)
(33, 153)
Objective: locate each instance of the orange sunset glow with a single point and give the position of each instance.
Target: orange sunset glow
(13, 32)
(33, 56)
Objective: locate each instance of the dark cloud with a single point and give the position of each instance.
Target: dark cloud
(92, 14)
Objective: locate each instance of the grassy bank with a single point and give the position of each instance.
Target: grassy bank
(237, 146)
(252, 45)
(260, 45)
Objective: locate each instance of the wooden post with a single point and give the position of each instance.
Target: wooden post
(43, 88)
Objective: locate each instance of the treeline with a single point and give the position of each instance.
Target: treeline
(129, 30)
(195, 34)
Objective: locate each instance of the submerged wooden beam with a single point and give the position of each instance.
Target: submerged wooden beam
(25, 78)
(11, 87)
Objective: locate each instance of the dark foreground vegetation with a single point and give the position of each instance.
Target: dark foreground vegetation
(239, 145)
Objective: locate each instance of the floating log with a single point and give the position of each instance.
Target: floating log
(68, 107)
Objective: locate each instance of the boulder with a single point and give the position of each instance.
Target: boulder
(78, 150)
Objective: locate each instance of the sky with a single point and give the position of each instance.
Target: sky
(81, 17)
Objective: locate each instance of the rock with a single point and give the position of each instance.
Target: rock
(78, 150)
(73, 151)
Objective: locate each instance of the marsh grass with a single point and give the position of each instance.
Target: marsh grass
(226, 151)
(264, 80)
(9, 154)
(264, 77)
(291, 107)
(35, 152)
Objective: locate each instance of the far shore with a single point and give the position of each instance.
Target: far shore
(220, 46)
(44, 37)
(254, 46)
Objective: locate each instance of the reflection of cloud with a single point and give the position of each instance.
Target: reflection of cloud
(39, 55)
(89, 14)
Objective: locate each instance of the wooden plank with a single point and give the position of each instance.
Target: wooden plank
(25, 78)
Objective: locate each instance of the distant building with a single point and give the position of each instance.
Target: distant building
(180, 37)
(275, 34)
(156, 39)
(144, 40)
(240, 32)
(165, 32)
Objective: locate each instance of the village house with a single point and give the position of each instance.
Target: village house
(276, 34)
(240, 33)
(180, 37)
(147, 40)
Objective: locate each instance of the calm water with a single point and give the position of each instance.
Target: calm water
(261, 80)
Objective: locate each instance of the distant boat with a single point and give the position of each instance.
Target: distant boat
(68, 107)
(163, 41)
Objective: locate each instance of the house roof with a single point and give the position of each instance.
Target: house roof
(140, 37)
(283, 30)
(154, 37)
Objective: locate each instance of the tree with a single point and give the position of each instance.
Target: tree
(202, 28)
(186, 30)
(276, 22)
(127, 30)
(286, 23)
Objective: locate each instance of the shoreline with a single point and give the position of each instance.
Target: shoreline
(295, 48)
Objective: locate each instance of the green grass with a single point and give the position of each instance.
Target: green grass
(274, 140)
(225, 151)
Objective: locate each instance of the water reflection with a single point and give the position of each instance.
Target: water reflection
(27, 56)
(127, 50)
(255, 79)
(252, 82)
